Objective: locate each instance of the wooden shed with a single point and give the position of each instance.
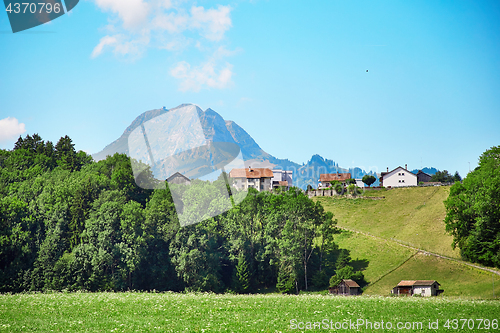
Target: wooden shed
(346, 288)
(424, 288)
(178, 178)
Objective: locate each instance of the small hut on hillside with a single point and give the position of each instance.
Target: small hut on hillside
(424, 288)
(346, 288)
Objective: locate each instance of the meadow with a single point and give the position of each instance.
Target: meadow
(413, 216)
(208, 312)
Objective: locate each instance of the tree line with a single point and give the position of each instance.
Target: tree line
(69, 223)
(473, 211)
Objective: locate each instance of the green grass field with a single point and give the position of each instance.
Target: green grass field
(170, 312)
(411, 215)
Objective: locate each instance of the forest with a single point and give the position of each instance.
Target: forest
(69, 223)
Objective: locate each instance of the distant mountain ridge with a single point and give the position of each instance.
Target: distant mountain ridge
(429, 171)
(217, 129)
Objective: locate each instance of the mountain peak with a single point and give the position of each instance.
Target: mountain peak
(215, 128)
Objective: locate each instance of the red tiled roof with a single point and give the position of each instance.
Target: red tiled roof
(283, 183)
(251, 173)
(409, 283)
(406, 283)
(328, 177)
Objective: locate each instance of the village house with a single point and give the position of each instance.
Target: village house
(178, 178)
(424, 288)
(282, 178)
(398, 177)
(326, 178)
(346, 288)
(257, 178)
(423, 177)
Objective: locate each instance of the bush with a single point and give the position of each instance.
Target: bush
(339, 188)
(334, 281)
(353, 189)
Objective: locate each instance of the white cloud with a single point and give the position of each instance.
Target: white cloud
(161, 22)
(207, 75)
(171, 22)
(175, 26)
(10, 129)
(133, 13)
(106, 40)
(213, 23)
(122, 46)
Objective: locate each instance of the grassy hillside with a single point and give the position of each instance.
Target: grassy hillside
(389, 263)
(410, 215)
(174, 312)
(456, 279)
(374, 256)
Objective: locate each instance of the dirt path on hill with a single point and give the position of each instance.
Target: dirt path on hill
(402, 243)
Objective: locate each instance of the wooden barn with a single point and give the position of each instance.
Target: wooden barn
(424, 288)
(423, 177)
(346, 288)
(178, 178)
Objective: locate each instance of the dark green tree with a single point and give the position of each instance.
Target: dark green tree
(66, 154)
(243, 276)
(287, 282)
(442, 176)
(368, 180)
(473, 211)
(343, 259)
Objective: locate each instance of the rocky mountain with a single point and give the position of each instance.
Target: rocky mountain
(215, 130)
(429, 171)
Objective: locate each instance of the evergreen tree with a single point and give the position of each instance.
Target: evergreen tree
(66, 154)
(243, 276)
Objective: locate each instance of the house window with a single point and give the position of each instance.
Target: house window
(399, 174)
(403, 181)
(402, 174)
(400, 180)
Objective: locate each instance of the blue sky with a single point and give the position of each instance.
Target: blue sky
(293, 74)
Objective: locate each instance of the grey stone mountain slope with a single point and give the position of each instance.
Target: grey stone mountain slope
(217, 129)
(120, 145)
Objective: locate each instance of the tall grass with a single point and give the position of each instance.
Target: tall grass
(171, 312)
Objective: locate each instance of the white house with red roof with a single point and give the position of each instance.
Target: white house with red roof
(424, 288)
(257, 178)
